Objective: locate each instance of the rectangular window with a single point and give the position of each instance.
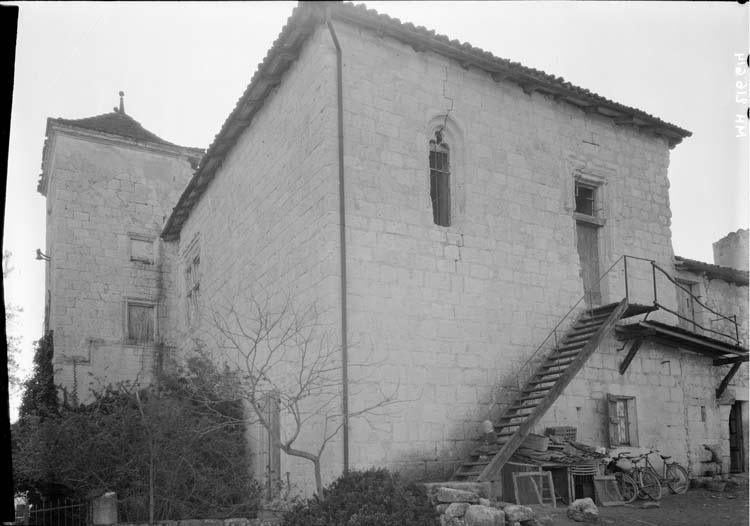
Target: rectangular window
(623, 421)
(141, 248)
(141, 322)
(440, 190)
(193, 287)
(585, 199)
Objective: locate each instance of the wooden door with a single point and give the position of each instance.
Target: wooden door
(588, 253)
(736, 440)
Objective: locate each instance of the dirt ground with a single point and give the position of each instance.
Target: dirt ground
(697, 507)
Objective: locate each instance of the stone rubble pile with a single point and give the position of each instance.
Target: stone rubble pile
(467, 504)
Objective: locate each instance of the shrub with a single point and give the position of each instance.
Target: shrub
(366, 498)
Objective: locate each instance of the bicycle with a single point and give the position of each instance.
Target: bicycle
(646, 477)
(626, 484)
(675, 476)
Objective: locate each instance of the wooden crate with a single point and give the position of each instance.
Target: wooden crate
(536, 442)
(568, 433)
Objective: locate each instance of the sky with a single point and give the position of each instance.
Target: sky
(184, 65)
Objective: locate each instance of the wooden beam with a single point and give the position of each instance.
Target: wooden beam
(632, 346)
(734, 359)
(493, 468)
(728, 378)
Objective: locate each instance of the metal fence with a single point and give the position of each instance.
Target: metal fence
(64, 512)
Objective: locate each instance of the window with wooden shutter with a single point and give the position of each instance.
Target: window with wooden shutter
(622, 421)
(140, 322)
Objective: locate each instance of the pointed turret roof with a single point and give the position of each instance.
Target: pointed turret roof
(119, 124)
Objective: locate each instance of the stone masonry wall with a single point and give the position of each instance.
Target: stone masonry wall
(677, 409)
(448, 314)
(267, 226)
(100, 193)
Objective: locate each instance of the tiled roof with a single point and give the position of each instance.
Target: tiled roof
(739, 277)
(116, 123)
(307, 15)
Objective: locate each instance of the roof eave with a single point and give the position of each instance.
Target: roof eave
(286, 48)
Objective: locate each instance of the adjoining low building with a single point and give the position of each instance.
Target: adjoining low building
(495, 241)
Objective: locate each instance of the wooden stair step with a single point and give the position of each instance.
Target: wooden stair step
(513, 417)
(575, 339)
(603, 308)
(578, 331)
(568, 352)
(569, 347)
(544, 381)
(501, 426)
(548, 373)
(588, 323)
(599, 318)
(527, 398)
(556, 363)
(536, 390)
(519, 405)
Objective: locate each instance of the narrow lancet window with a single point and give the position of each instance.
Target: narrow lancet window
(440, 189)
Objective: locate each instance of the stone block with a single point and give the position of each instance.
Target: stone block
(478, 515)
(456, 495)
(457, 509)
(516, 513)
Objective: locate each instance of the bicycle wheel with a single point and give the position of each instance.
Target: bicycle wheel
(649, 484)
(677, 478)
(627, 486)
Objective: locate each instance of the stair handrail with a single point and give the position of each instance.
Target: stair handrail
(624, 258)
(732, 319)
(553, 332)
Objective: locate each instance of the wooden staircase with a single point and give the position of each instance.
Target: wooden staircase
(542, 389)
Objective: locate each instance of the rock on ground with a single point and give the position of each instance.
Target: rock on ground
(516, 513)
(583, 510)
(478, 515)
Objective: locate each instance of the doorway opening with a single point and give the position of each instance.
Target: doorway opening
(737, 457)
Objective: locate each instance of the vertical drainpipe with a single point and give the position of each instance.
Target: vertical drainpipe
(342, 241)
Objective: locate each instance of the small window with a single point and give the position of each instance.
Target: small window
(585, 199)
(193, 287)
(141, 249)
(623, 421)
(140, 322)
(440, 190)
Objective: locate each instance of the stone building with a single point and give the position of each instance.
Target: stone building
(458, 220)
(109, 185)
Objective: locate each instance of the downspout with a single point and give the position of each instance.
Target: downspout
(342, 242)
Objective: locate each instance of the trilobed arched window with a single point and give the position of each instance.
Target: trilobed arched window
(440, 188)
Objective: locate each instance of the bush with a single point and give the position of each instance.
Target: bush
(366, 498)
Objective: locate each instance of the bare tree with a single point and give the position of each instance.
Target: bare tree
(285, 355)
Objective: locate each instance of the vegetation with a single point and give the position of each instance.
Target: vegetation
(166, 456)
(366, 498)
(290, 371)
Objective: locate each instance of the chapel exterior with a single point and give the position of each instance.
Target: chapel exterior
(456, 219)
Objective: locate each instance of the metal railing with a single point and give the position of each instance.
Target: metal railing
(66, 512)
(561, 327)
(732, 320)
